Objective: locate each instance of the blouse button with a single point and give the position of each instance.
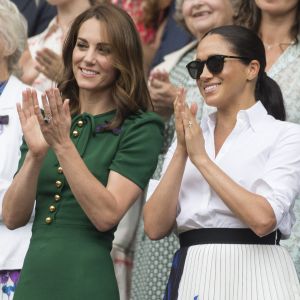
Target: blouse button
(52, 208)
(80, 123)
(75, 133)
(57, 197)
(48, 220)
(58, 184)
(60, 170)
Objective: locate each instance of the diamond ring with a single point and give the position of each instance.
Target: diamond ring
(190, 124)
(47, 119)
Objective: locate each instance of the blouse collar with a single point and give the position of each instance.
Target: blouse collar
(253, 116)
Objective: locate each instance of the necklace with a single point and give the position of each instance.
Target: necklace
(283, 45)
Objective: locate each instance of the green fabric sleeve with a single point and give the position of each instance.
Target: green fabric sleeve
(139, 148)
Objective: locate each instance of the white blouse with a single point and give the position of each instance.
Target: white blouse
(261, 154)
(13, 243)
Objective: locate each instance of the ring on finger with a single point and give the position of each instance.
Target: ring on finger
(47, 119)
(190, 124)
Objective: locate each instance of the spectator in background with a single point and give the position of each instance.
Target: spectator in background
(13, 244)
(283, 65)
(150, 18)
(152, 260)
(168, 42)
(38, 14)
(42, 62)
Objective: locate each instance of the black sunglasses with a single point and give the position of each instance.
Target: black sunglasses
(214, 64)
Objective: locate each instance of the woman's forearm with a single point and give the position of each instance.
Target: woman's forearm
(161, 209)
(18, 201)
(254, 210)
(99, 204)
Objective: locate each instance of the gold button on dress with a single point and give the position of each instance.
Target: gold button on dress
(58, 183)
(75, 133)
(48, 220)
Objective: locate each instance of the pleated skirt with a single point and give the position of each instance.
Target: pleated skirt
(232, 272)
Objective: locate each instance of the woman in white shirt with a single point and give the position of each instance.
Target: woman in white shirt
(229, 186)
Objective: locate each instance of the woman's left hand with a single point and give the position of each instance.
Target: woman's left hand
(194, 140)
(50, 64)
(57, 122)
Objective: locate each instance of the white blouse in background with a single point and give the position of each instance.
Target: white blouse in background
(261, 154)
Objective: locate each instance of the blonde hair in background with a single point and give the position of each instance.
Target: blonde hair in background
(13, 30)
(180, 19)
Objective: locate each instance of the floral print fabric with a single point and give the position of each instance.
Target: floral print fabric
(8, 283)
(135, 10)
(286, 72)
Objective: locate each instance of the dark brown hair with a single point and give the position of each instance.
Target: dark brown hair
(246, 43)
(152, 13)
(130, 92)
(249, 15)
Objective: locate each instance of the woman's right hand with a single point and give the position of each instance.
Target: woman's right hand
(179, 107)
(28, 66)
(162, 92)
(34, 138)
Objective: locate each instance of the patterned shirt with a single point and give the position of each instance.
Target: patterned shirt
(286, 72)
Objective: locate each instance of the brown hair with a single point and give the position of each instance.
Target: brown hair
(249, 15)
(130, 92)
(152, 13)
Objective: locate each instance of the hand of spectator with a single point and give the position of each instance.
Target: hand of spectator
(179, 108)
(162, 92)
(56, 129)
(50, 64)
(28, 67)
(194, 139)
(30, 125)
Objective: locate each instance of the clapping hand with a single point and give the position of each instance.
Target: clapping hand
(50, 64)
(162, 92)
(55, 126)
(189, 133)
(32, 132)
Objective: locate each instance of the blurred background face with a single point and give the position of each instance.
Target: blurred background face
(202, 15)
(277, 7)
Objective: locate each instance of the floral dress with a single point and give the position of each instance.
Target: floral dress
(8, 283)
(135, 10)
(286, 72)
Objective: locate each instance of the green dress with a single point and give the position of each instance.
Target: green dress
(68, 258)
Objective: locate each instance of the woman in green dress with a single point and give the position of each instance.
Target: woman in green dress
(85, 160)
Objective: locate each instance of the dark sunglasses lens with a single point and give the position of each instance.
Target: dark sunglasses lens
(195, 68)
(215, 64)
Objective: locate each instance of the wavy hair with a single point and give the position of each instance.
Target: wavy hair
(130, 92)
(249, 15)
(13, 30)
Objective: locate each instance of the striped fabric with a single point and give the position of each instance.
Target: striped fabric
(234, 272)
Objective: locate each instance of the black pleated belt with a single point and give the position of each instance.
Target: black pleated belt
(226, 236)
